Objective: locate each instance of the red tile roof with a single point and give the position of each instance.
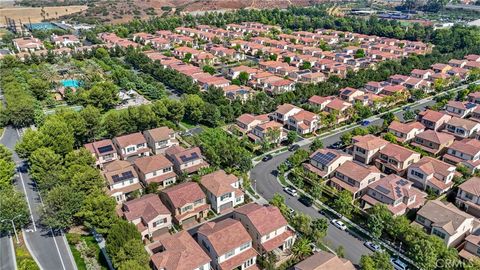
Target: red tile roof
(225, 235)
(184, 193)
(265, 219)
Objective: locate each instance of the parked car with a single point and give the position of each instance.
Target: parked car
(293, 147)
(339, 224)
(365, 122)
(398, 264)
(372, 246)
(267, 158)
(305, 201)
(290, 191)
(337, 145)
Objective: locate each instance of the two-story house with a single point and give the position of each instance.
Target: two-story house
(460, 109)
(395, 159)
(405, 132)
(468, 196)
(466, 152)
(433, 119)
(349, 94)
(397, 193)
(445, 221)
(271, 132)
(159, 139)
(228, 244)
(148, 214)
(365, 148)
(187, 203)
(433, 142)
(303, 122)
(122, 180)
(131, 145)
(103, 151)
(320, 102)
(246, 122)
(155, 169)
(178, 252)
(267, 227)
(223, 190)
(186, 160)
(340, 108)
(474, 97)
(433, 174)
(284, 111)
(471, 249)
(462, 128)
(354, 177)
(324, 162)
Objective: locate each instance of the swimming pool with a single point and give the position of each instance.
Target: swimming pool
(70, 83)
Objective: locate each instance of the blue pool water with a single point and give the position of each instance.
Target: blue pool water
(70, 83)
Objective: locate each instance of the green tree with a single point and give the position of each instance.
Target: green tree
(409, 115)
(291, 137)
(390, 137)
(388, 118)
(119, 234)
(360, 53)
(98, 211)
(131, 265)
(301, 248)
(243, 77)
(209, 69)
(14, 206)
(343, 203)
(57, 135)
(302, 223)
(316, 144)
(319, 228)
(7, 168)
(279, 201)
(134, 250)
(60, 207)
(46, 168)
(300, 156)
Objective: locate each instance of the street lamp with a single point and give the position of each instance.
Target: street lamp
(13, 225)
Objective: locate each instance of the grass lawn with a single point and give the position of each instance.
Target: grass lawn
(92, 245)
(23, 257)
(186, 124)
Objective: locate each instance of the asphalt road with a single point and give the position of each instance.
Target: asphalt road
(50, 251)
(267, 185)
(7, 254)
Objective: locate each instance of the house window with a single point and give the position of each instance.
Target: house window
(420, 219)
(187, 208)
(417, 174)
(169, 169)
(140, 145)
(225, 196)
(361, 150)
(469, 196)
(130, 149)
(197, 202)
(244, 246)
(229, 254)
(154, 173)
(439, 233)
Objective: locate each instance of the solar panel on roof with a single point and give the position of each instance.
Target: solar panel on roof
(324, 159)
(470, 105)
(193, 156)
(104, 149)
(346, 92)
(382, 189)
(122, 177)
(401, 182)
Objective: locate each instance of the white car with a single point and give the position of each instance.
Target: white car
(290, 191)
(398, 264)
(372, 246)
(337, 223)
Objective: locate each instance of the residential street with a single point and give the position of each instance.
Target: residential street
(267, 185)
(49, 252)
(7, 254)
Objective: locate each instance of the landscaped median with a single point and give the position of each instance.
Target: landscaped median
(86, 252)
(23, 257)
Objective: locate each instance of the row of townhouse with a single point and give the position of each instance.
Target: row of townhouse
(425, 79)
(233, 242)
(184, 204)
(113, 39)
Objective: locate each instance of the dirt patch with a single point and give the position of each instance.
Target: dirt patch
(38, 14)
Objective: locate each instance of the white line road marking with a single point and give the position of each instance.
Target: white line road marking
(58, 250)
(28, 202)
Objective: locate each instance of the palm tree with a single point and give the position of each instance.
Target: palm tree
(301, 248)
